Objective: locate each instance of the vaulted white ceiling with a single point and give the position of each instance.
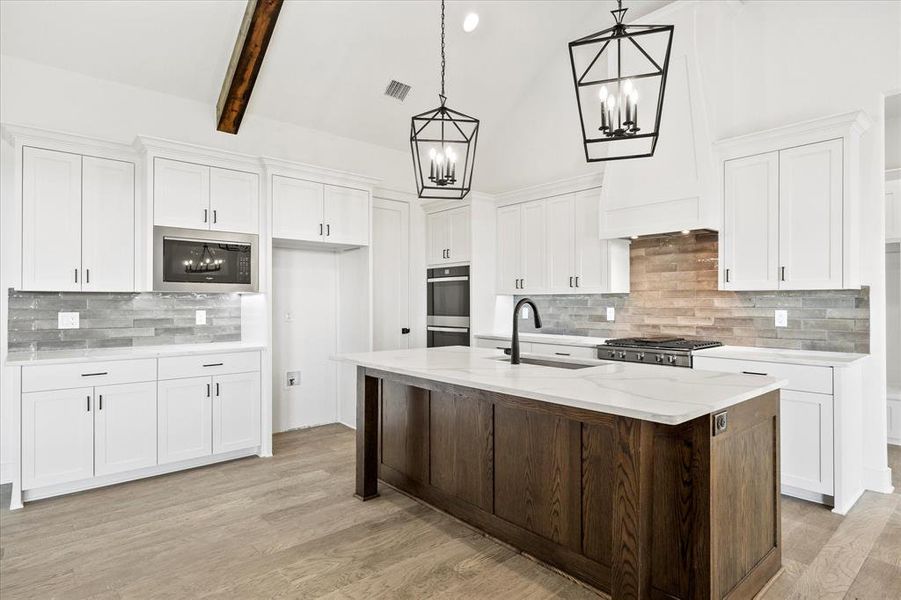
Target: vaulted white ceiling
(329, 61)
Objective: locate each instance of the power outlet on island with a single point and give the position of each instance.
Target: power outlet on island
(67, 320)
(200, 317)
(611, 313)
(781, 318)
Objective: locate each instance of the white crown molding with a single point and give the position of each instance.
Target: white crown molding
(21, 135)
(152, 147)
(279, 166)
(393, 194)
(553, 188)
(834, 126)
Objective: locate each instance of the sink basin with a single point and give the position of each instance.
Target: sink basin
(557, 364)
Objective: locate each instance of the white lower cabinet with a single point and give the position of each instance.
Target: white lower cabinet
(57, 436)
(236, 412)
(124, 427)
(184, 419)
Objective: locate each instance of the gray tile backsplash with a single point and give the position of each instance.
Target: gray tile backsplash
(674, 292)
(120, 319)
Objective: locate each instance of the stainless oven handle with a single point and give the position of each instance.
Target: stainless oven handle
(206, 241)
(444, 279)
(449, 329)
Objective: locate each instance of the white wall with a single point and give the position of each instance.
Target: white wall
(304, 337)
(893, 142)
(893, 314)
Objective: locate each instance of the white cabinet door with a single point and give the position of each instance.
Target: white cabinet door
(108, 230)
(534, 248)
(346, 213)
(297, 209)
(236, 412)
(806, 437)
(124, 427)
(234, 201)
(459, 245)
(750, 238)
(591, 253)
(51, 220)
(509, 242)
(184, 419)
(893, 210)
(438, 232)
(561, 271)
(57, 437)
(810, 216)
(181, 194)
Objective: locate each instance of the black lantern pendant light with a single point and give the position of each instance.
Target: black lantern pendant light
(443, 142)
(613, 71)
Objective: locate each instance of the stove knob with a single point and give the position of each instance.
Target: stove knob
(639, 356)
(613, 354)
(622, 355)
(658, 358)
(671, 359)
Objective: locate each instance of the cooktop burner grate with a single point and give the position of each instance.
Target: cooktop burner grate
(663, 343)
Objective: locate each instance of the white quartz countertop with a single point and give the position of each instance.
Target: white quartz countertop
(798, 357)
(546, 338)
(668, 395)
(93, 354)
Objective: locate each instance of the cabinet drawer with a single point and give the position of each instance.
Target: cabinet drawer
(58, 377)
(562, 350)
(176, 367)
(801, 378)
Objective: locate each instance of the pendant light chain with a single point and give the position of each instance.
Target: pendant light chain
(442, 48)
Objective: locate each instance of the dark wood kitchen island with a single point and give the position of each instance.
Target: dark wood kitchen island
(642, 481)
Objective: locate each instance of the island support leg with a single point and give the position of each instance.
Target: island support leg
(633, 480)
(367, 486)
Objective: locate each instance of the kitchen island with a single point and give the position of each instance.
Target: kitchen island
(643, 481)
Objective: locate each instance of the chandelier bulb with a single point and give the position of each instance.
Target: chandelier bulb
(603, 93)
(628, 87)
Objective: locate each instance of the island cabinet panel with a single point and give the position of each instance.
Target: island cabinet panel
(537, 473)
(597, 492)
(461, 439)
(405, 430)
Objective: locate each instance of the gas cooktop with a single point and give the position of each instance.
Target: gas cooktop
(660, 350)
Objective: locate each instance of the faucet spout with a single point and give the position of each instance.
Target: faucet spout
(514, 346)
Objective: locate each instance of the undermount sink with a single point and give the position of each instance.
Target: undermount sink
(557, 364)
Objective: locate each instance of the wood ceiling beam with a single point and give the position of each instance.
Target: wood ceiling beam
(244, 66)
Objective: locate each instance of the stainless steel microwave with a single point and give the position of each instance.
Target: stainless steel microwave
(198, 260)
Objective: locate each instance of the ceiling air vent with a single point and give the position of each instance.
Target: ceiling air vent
(397, 90)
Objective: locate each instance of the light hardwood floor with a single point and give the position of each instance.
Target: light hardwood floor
(289, 527)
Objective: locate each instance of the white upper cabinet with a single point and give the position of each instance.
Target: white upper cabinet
(552, 246)
(810, 216)
(124, 427)
(791, 206)
(57, 437)
(77, 222)
(51, 220)
(448, 234)
(297, 209)
(198, 196)
(108, 212)
(181, 194)
(236, 412)
(893, 210)
(234, 201)
(749, 242)
(346, 216)
(308, 211)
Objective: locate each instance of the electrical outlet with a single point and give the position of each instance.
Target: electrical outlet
(67, 320)
(292, 378)
(289, 317)
(611, 313)
(524, 313)
(781, 318)
(200, 317)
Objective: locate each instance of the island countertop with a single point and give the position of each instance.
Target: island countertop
(667, 395)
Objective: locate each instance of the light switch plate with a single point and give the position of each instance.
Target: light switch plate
(67, 320)
(781, 318)
(611, 313)
(200, 317)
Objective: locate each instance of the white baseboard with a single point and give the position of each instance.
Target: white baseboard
(878, 480)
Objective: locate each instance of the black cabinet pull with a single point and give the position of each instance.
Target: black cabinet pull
(214, 216)
(727, 275)
(562, 353)
(207, 390)
(213, 365)
(753, 373)
(205, 215)
(87, 276)
(217, 389)
(89, 403)
(782, 275)
(101, 402)
(570, 281)
(76, 274)
(328, 229)
(577, 281)
(448, 252)
(94, 374)
(320, 229)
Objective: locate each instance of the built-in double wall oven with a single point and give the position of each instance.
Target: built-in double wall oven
(448, 307)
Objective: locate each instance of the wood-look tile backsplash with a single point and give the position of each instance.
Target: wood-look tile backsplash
(120, 319)
(674, 292)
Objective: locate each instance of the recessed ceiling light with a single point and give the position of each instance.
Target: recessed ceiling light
(470, 22)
